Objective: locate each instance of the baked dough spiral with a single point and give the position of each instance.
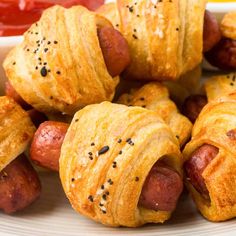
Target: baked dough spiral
(165, 37)
(155, 96)
(216, 126)
(16, 131)
(106, 156)
(60, 65)
(220, 86)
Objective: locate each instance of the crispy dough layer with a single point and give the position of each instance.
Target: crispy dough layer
(155, 96)
(165, 37)
(60, 66)
(16, 131)
(216, 125)
(106, 156)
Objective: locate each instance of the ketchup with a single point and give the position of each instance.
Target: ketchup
(16, 16)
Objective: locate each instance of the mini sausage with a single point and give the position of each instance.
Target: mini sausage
(193, 105)
(115, 50)
(161, 189)
(19, 185)
(46, 145)
(211, 31)
(223, 55)
(11, 92)
(197, 163)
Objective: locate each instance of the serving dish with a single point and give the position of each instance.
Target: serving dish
(52, 215)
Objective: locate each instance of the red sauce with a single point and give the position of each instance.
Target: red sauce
(16, 16)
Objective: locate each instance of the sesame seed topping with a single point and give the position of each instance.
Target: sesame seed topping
(73, 179)
(92, 144)
(120, 152)
(103, 150)
(44, 71)
(136, 178)
(120, 141)
(90, 198)
(55, 42)
(104, 197)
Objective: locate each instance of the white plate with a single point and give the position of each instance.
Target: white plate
(52, 215)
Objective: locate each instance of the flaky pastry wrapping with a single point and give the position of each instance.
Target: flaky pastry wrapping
(228, 25)
(165, 37)
(16, 131)
(106, 156)
(155, 96)
(216, 126)
(220, 86)
(60, 66)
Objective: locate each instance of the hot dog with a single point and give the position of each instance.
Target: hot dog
(211, 31)
(223, 55)
(19, 185)
(197, 163)
(161, 189)
(46, 145)
(193, 105)
(115, 50)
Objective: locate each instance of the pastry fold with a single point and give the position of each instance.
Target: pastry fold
(216, 126)
(165, 37)
(155, 96)
(60, 66)
(16, 131)
(105, 158)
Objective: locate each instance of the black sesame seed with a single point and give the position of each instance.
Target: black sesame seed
(104, 196)
(144, 106)
(107, 193)
(177, 136)
(128, 140)
(36, 68)
(49, 42)
(45, 49)
(58, 72)
(110, 181)
(40, 59)
(120, 152)
(90, 198)
(73, 179)
(101, 205)
(104, 212)
(142, 98)
(27, 50)
(102, 187)
(51, 97)
(76, 120)
(55, 42)
(120, 141)
(103, 150)
(91, 158)
(45, 63)
(92, 144)
(90, 153)
(44, 71)
(231, 84)
(136, 179)
(13, 63)
(135, 36)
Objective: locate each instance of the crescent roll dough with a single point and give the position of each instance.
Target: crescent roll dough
(60, 66)
(16, 131)
(155, 96)
(216, 126)
(219, 86)
(228, 26)
(99, 168)
(165, 37)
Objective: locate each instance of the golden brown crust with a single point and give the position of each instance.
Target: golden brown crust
(108, 176)
(228, 25)
(16, 131)
(220, 86)
(75, 74)
(216, 126)
(155, 96)
(165, 38)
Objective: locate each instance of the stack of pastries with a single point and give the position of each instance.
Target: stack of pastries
(98, 87)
